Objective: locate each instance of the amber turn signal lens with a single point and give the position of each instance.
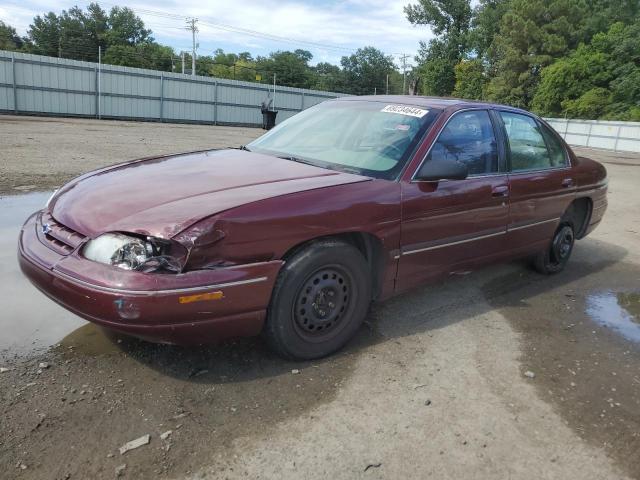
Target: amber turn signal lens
(201, 297)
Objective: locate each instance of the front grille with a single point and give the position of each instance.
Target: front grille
(58, 237)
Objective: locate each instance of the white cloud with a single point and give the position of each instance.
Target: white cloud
(349, 24)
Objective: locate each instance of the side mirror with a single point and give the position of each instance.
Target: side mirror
(438, 168)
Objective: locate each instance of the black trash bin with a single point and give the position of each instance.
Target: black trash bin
(269, 119)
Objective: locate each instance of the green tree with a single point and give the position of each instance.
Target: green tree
(145, 55)
(533, 33)
(437, 75)
(569, 78)
(397, 81)
(450, 20)
(222, 64)
(485, 25)
(9, 39)
(44, 33)
(237, 66)
(204, 65)
(291, 68)
(622, 44)
(601, 79)
(124, 27)
(470, 80)
(591, 104)
(604, 13)
(365, 71)
(77, 34)
(327, 77)
(246, 70)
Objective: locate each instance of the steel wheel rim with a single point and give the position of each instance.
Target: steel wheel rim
(562, 244)
(323, 302)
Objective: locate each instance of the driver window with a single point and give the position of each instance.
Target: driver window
(468, 138)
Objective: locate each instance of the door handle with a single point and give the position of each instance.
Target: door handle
(500, 191)
(567, 182)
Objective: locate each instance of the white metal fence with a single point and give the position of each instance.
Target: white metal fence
(616, 136)
(54, 86)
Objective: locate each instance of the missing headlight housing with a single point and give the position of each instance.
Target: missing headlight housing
(132, 253)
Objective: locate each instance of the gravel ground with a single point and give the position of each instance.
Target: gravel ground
(42, 153)
(501, 373)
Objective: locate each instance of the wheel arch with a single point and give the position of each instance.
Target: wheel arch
(369, 245)
(579, 213)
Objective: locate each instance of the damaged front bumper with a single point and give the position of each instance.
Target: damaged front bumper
(190, 308)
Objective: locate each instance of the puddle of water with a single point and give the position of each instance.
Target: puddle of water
(28, 320)
(618, 311)
(631, 303)
(92, 340)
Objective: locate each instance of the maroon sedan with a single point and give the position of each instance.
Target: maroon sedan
(294, 235)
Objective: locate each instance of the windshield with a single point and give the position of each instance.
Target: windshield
(364, 137)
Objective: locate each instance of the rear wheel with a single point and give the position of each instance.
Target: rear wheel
(554, 259)
(320, 299)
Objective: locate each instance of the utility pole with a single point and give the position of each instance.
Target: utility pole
(191, 25)
(387, 90)
(182, 55)
(404, 71)
(99, 81)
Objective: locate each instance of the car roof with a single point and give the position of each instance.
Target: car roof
(429, 102)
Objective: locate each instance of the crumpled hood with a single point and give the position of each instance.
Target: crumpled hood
(163, 196)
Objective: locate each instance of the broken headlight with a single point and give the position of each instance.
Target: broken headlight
(132, 253)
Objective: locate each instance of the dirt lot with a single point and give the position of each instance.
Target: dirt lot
(437, 384)
(41, 153)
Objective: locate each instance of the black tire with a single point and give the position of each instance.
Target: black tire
(554, 258)
(319, 301)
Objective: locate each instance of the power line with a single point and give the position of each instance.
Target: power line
(245, 31)
(240, 30)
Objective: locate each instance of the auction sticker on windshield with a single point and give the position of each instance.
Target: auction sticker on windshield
(405, 110)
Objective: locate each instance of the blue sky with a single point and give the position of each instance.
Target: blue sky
(338, 27)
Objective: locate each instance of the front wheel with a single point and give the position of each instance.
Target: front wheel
(554, 259)
(319, 300)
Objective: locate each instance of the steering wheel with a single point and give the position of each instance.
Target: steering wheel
(395, 147)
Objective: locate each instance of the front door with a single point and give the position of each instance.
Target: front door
(449, 224)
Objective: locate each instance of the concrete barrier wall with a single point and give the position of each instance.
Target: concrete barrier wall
(608, 135)
(55, 86)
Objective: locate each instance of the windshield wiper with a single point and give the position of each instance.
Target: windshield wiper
(335, 168)
(296, 159)
(354, 171)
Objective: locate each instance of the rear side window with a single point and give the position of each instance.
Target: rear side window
(526, 143)
(556, 148)
(468, 138)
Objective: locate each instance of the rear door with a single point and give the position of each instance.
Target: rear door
(449, 223)
(541, 180)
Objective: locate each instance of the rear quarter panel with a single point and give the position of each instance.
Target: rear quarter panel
(592, 183)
